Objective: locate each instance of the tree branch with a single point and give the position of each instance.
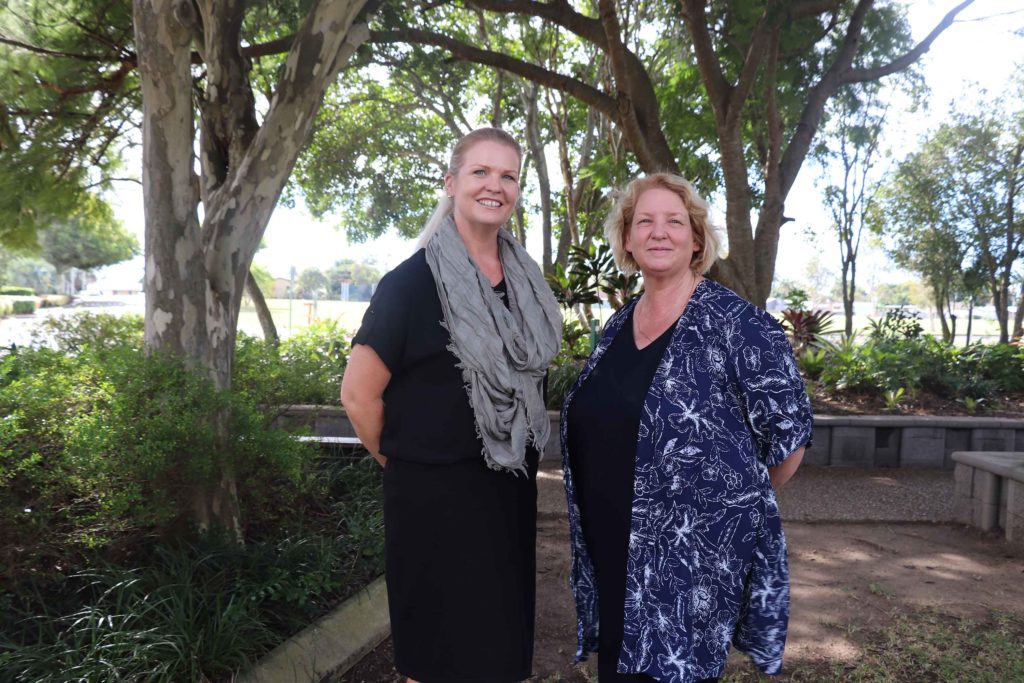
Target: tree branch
(558, 12)
(904, 61)
(626, 111)
(578, 89)
(707, 59)
(53, 53)
(751, 64)
(240, 209)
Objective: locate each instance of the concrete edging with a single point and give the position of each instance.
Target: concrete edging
(330, 646)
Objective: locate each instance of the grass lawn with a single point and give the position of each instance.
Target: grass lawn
(350, 315)
(293, 315)
(914, 645)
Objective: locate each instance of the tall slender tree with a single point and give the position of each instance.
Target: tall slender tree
(849, 154)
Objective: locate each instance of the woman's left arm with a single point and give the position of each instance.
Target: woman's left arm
(782, 472)
(777, 405)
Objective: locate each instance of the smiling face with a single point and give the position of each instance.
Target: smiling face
(485, 187)
(660, 237)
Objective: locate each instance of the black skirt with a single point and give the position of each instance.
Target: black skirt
(460, 562)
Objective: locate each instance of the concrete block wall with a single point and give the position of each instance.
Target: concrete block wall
(839, 441)
(989, 491)
(907, 441)
(1014, 512)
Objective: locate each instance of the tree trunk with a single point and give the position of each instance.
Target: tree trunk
(528, 93)
(970, 320)
(259, 302)
(195, 275)
(1018, 318)
(940, 308)
(849, 288)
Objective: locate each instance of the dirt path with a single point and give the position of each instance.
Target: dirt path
(848, 577)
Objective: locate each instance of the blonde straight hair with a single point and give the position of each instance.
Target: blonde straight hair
(444, 202)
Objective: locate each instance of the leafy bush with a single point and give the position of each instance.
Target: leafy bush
(1002, 364)
(73, 334)
(306, 368)
(23, 307)
(898, 323)
(10, 290)
(812, 363)
(895, 358)
(118, 441)
(560, 380)
(99, 446)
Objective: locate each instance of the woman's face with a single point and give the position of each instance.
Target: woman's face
(660, 237)
(485, 188)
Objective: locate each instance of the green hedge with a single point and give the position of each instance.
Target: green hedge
(23, 307)
(10, 290)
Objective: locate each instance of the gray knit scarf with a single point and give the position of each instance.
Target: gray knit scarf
(503, 352)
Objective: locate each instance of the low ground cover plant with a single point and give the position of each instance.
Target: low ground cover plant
(899, 358)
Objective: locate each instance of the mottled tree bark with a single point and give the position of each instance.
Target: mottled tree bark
(196, 273)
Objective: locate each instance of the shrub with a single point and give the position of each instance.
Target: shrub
(10, 290)
(100, 445)
(23, 307)
(119, 440)
(74, 334)
(306, 368)
(891, 360)
(897, 323)
(150, 437)
(812, 363)
(560, 380)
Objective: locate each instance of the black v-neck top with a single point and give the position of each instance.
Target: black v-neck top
(604, 419)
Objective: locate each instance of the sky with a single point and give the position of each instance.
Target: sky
(979, 51)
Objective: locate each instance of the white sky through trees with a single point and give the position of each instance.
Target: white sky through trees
(982, 50)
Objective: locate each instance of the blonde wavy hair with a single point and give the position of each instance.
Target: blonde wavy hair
(619, 220)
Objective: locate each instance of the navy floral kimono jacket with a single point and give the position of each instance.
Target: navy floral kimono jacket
(707, 556)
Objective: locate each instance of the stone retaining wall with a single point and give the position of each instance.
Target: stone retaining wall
(989, 491)
(841, 441)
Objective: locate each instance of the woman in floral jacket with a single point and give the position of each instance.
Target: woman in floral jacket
(687, 417)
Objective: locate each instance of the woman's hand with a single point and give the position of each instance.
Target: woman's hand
(782, 472)
(362, 388)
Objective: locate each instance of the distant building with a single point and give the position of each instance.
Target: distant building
(280, 290)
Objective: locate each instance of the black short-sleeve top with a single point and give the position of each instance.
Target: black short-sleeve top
(427, 416)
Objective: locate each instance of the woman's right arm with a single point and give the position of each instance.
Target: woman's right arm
(362, 390)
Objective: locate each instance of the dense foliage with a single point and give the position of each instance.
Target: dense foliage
(99, 445)
(898, 358)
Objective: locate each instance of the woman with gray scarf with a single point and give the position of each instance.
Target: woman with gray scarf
(444, 387)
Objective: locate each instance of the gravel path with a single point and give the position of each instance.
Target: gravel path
(827, 494)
